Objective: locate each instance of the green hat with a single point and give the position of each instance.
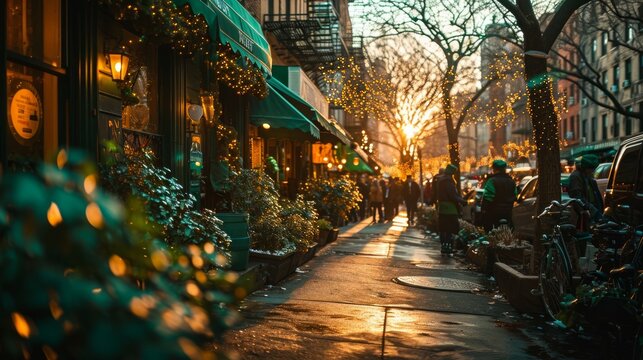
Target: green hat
(498, 164)
(450, 169)
(589, 161)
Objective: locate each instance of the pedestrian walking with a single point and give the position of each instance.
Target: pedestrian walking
(388, 199)
(448, 203)
(396, 196)
(426, 192)
(376, 197)
(582, 185)
(499, 194)
(364, 191)
(411, 194)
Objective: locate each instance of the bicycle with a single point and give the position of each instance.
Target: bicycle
(556, 268)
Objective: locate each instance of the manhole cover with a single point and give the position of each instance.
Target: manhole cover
(438, 283)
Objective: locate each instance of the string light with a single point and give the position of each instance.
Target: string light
(247, 79)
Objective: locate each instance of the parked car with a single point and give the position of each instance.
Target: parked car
(525, 207)
(624, 193)
(523, 182)
(601, 174)
(471, 211)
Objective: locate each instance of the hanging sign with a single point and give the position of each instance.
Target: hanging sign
(25, 113)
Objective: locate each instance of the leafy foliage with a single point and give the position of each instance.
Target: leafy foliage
(166, 211)
(73, 270)
(275, 224)
(324, 224)
(334, 199)
(300, 221)
(428, 218)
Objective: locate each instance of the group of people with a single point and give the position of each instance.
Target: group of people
(383, 197)
(497, 201)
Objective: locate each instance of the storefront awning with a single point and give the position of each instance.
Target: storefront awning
(354, 161)
(230, 23)
(580, 150)
(278, 113)
(313, 115)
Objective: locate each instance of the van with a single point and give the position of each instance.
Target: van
(624, 193)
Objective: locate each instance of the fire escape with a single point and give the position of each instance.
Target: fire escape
(313, 38)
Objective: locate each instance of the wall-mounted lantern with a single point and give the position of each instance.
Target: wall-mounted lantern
(118, 63)
(265, 126)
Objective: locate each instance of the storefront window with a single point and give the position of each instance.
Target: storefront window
(33, 29)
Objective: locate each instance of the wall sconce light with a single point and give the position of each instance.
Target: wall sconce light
(340, 167)
(118, 63)
(265, 126)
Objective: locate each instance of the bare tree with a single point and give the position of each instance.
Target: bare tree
(538, 40)
(414, 81)
(453, 31)
(620, 23)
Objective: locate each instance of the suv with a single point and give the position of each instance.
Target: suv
(624, 193)
(525, 207)
(601, 175)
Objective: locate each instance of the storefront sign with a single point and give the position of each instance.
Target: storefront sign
(25, 113)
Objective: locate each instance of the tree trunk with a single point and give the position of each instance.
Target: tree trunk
(544, 120)
(452, 129)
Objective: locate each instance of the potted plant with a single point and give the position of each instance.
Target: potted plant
(324, 227)
(333, 199)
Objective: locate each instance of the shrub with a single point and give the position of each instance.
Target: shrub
(503, 236)
(72, 270)
(323, 224)
(167, 212)
(300, 219)
(334, 199)
(428, 218)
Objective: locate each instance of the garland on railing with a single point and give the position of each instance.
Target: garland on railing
(243, 80)
(161, 20)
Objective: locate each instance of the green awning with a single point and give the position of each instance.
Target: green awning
(277, 112)
(230, 23)
(313, 115)
(354, 161)
(589, 148)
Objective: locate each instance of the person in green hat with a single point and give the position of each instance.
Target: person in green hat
(448, 203)
(498, 197)
(583, 186)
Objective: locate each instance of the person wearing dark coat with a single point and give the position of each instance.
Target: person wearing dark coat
(426, 192)
(449, 202)
(364, 189)
(498, 197)
(583, 186)
(411, 194)
(396, 196)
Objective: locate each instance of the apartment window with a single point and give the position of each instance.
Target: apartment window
(604, 79)
(594, 128)
(629, 33)
(604, 127)
(616, 74)
(628, 70)
(603, 43)
(616, 126)
(628, 122)
(584, 129)
(564, 129)
(593, 51)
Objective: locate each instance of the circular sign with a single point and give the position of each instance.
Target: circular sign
(25, 113)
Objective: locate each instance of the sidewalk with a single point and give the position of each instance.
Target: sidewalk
(344, 304)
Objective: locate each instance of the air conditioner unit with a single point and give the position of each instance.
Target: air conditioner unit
(583, 101)
(569, 135)
(570, 100)
(614, 89)
(626, 84)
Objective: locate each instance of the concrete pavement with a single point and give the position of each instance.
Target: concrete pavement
(344, 304)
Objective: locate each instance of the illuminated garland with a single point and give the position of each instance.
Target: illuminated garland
(228, 147)
(243, 80)
(161, 20)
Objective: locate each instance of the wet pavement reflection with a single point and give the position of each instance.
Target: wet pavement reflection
(344, 304)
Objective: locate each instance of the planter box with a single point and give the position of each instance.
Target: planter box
(236, 226)
(278, 267)
(332, 235)
(478, 256)
(307, 255)
(513, 255)
(322, 239)
(517, 287)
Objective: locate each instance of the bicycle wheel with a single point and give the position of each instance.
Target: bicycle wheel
(555, 279)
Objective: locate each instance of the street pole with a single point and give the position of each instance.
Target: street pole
(421, 177)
